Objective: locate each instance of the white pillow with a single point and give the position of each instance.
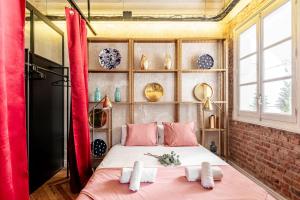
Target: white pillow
(160, 134)
(123, 134)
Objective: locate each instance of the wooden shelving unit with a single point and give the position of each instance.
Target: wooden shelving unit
(107, 129)
(179, 70)
(108, 71)
(154, 71)
(203, 70)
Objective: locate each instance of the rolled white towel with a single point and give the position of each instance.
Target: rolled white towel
(207, 180)
(193, 173)
(136, 175)
(148, 175)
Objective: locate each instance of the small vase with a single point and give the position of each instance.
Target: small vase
(168, 62)
(213, 148)
(117, 95)
(212, 121)
(144, 62)
(97, 96)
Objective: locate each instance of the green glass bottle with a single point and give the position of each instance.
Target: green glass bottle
(117, 95)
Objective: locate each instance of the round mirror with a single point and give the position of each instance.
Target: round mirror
(202, 91)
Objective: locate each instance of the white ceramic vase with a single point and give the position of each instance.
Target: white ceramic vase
(144, 62)
(168, 62)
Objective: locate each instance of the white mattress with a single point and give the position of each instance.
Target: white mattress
(124, 156)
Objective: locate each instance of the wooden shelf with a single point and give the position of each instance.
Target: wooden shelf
(108, 71)
(155, 71)
(199, 102)
(105, 40)
(154, 40)
(97, 158)
(179, 69)
(115, 103)
(201, 40)
(99, 129)
(120, 103)
(155, 103)
(203, 70)
(213, 129)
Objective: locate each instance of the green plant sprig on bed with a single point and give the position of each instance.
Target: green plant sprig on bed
(167, 159)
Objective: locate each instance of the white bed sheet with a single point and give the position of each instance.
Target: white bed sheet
(124, 156)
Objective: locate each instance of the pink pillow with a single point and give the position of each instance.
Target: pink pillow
(141, 134)
(180, 134)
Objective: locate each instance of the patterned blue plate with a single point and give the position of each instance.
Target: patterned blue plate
(109, 58)
(205, 61)
(98, 147)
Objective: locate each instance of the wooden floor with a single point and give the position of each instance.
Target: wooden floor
(57, 188)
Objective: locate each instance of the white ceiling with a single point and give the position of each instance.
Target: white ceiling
(138, 7)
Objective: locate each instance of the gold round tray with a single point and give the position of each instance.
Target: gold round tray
(99, 119)
(153, 91)
(203, 91)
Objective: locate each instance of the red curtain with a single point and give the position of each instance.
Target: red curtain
(13, 150)
(79, 139)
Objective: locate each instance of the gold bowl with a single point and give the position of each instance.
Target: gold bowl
(153, 92)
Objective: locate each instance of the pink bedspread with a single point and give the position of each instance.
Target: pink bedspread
(171, 184)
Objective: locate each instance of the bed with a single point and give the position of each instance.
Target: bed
(170, 182)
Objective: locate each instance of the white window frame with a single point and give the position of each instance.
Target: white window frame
(250, 23)
(279, 121)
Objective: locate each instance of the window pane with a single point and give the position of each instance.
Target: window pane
(248, 98)
(277, 97)
(278, 25)
(248, 69)
(278, 60)
(248, 41)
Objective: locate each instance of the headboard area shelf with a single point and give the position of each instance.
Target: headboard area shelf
(177, 65)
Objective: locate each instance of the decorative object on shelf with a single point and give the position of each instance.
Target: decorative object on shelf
(212, 121)
(208, 105)
(167, 159)
(106, 103)
(98, 147)
(153, 92)
(118, 94)
(213, 147)
(97, 95)
(109, 58)
(97, 118)
(144, 62)
(168, 62)
(202, 91)
(205, 61)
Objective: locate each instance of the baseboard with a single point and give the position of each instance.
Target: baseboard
(267, 188)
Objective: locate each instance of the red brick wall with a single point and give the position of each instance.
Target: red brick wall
(270, 155)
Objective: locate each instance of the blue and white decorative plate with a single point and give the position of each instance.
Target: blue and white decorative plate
(98, 147)
(109, 58)
(205, 61)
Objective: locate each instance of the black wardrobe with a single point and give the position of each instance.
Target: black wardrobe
(45, 118)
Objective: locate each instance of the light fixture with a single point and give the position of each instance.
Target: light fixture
(106, 103)
(207, 105)
(204, 92)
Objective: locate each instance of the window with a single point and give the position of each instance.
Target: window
(248, 70)
(277, 61)
(265, 54)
